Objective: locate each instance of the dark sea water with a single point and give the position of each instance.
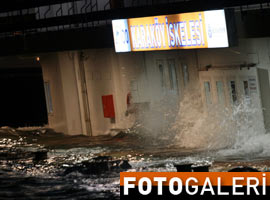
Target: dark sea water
(21, 177)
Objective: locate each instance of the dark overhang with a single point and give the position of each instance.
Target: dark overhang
(97, 37)
(13, 5)
(25, 33)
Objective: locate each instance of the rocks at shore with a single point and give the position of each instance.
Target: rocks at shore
(243, 169)
(190, 167)
(18, 154)
(99, 165)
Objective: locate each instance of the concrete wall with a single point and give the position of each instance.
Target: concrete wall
(108, 73)
(51, 74)
(226, 62)
(104, 76)
(253, 50)
(67, 65)
(58, 71)
(99, 80)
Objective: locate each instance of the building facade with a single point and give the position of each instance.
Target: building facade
(92, 90)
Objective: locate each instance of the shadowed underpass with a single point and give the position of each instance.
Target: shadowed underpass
(22, 101)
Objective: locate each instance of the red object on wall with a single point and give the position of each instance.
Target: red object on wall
(128, 99)
(108, 106)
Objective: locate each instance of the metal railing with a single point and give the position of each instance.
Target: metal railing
(36, 16)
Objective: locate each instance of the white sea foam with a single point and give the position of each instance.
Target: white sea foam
(236, 130)
(233, 131)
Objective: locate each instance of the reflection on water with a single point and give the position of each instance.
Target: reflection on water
(224, 139)
(21, 178)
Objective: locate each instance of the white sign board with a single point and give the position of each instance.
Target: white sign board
(205, 29)
(121, 35)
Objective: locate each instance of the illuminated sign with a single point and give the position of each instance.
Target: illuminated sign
(121, 35)
(205, 29)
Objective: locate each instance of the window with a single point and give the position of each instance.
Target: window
(172, 75)
(246, 88)
(168, 75)
(161, 72)
(185, 74)
(220, 92)
(233, 91)
(48, 97)
(207, 89)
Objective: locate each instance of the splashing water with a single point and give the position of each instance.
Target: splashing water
(154, 123)
(233, 131)
(221, 131)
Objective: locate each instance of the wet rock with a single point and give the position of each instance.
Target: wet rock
(243, 169)
(18, 154)
(204, 168)
(120, 135)
(183, 167)
(102, 158)
(95, 167)
(189, 167)
(14, 155)
(120, 165)
(125, 165)
(99, 165)
(40, 155)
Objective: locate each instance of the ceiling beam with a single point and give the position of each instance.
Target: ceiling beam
(14, 5)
